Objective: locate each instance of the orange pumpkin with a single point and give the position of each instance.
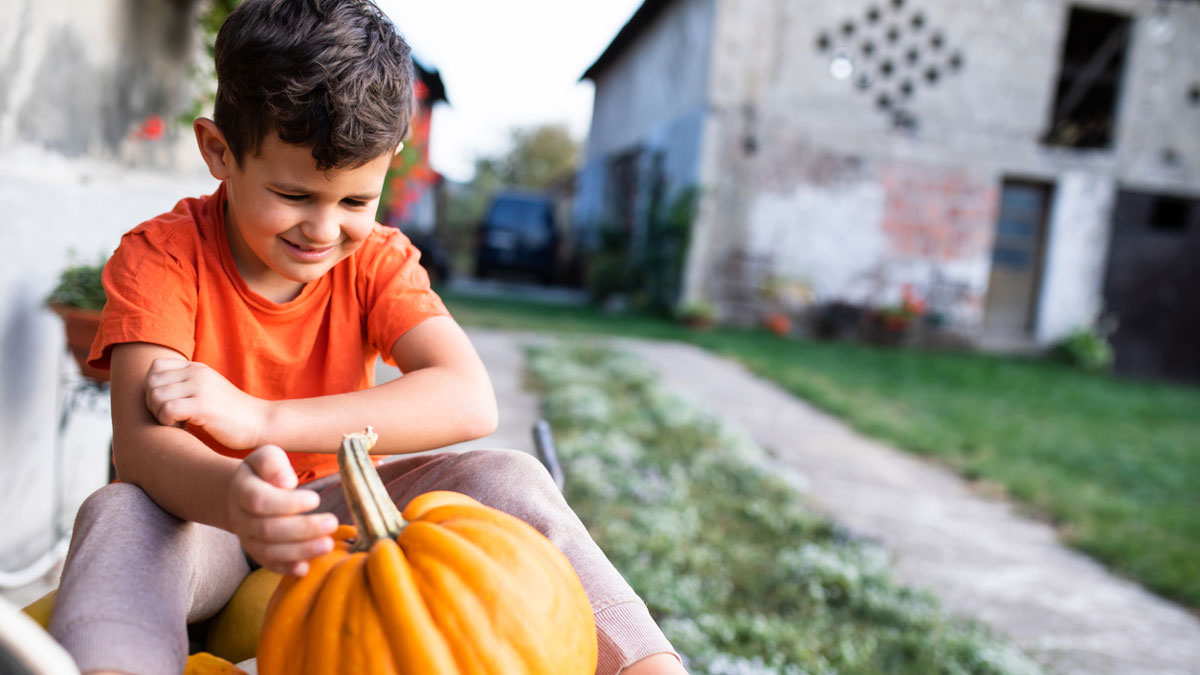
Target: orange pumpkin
(447, 586)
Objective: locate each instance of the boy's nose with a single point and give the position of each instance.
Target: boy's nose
(322, 226)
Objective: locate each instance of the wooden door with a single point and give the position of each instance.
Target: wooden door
(1017, 255)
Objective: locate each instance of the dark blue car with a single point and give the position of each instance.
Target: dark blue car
(518, 235)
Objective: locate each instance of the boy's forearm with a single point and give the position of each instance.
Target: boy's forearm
(425, 409)
(175, 469)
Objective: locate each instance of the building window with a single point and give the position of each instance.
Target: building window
(1089, 80)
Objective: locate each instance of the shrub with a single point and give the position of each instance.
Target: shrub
(1087, 349)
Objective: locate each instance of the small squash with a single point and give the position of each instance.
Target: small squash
(40, 610)
(203, 663)
(447, 586)
(233, 632)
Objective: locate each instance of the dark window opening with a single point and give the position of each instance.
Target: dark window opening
(1194, 94)
(1089, 81)
(1170, 214)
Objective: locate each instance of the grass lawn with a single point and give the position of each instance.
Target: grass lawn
(1114, 463)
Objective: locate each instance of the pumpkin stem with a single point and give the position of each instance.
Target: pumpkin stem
(375, 516)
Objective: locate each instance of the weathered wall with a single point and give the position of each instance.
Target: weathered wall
(650, 101)
(77, 81)
(780, 124)
(78, 78)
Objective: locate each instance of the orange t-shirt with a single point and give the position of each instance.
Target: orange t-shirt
(173, 282)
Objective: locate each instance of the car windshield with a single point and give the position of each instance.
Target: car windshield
(518, 215)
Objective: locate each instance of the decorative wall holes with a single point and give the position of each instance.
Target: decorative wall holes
(1193, 95)
(893, 50)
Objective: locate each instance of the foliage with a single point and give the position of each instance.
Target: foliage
(204, 73)
(80, 286)
(538, 156)
(649, 270)
(1086, 349)
(741, 575)
(696, 312)
(1114, 463)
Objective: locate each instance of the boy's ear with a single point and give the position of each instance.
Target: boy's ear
(213, 148)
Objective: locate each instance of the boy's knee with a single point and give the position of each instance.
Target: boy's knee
(507, 467)
(118, 501)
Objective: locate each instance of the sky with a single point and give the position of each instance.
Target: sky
(506, 63)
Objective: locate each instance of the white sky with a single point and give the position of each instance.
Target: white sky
(506, 63)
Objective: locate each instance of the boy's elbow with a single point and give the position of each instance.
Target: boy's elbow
(489, 419)
(483, 418)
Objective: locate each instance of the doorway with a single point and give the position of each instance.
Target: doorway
(1015, 283)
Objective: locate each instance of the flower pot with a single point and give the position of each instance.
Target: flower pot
(81, 327)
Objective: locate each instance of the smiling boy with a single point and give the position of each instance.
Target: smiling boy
(241, 333)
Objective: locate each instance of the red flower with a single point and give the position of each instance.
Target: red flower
(152, 129)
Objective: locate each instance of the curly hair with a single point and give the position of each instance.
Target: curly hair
(333, 75)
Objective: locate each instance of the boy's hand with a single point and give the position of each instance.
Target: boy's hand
(185, 391)
(266, 513)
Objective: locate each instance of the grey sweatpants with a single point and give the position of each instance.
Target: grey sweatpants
(135, 575)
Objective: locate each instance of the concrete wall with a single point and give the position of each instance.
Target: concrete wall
(77, 80)
(652, 99)
(799, 163)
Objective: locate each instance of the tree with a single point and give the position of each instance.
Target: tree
(538, 156)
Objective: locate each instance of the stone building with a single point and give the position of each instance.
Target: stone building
(1026, 166)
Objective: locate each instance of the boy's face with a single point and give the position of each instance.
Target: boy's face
(288, 222)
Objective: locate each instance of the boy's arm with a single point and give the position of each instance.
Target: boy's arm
(444, 397)
(253, 498)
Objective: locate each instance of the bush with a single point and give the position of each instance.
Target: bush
(1087, 349)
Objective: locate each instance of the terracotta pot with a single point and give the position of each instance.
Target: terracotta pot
(81, 326)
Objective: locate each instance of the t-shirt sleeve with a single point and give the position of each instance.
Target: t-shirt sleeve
(395, 290)
(151, 288)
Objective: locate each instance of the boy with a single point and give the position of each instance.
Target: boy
(248, 322)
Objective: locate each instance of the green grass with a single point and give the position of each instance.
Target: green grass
(1114, 463)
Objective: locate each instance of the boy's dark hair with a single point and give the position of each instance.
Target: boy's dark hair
(333, 75)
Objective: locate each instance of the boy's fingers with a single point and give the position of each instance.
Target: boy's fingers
(293, 528)
(157, 396)
(271, 464)
(174, 411)
(167, 364)
(290, 553)
(271, 501)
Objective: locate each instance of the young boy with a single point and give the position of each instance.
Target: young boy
(241, 332)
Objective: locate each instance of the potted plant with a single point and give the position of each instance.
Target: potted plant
(78, 299)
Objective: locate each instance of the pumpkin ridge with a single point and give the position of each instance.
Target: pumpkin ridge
(417, 645)
(561, 593)
(380, 657)
(547, 551)
(449, 599)
(328, 614)
(487, 581)
(287, 617)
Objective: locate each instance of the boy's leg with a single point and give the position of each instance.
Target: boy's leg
(134, 578)
(515, 482)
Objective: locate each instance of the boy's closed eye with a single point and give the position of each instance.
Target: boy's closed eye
(349, 201)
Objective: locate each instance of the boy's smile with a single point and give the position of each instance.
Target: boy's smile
(288, 222)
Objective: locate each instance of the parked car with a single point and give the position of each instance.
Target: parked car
(519, 235)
